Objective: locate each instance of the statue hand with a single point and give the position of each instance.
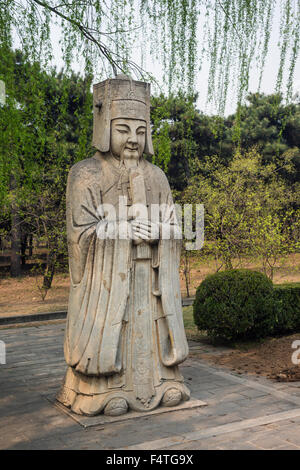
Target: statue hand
(145, 230)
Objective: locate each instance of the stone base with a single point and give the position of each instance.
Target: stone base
(89, 421)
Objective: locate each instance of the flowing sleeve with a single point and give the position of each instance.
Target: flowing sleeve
(172, 338)
(99, 272)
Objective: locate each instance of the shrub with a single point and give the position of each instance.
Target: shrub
(236, 304)
(288, 315)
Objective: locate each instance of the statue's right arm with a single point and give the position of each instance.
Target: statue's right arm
(83, 199)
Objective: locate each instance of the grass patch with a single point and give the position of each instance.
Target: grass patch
(287, 284)
(188, 318)
(191, 330)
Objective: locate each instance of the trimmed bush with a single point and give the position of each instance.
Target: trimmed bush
(288, 315)
(236, 304)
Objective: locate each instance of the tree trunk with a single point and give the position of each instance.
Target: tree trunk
(15, 257)
(227, 261)
(186, 272)
(186, 169)
(30, 246)
(23, 248)
(49, 270)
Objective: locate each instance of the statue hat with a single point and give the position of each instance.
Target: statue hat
(120, 97)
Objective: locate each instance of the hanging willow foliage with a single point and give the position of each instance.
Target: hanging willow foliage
(182, 35)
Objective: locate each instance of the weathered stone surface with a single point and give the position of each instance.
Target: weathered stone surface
(125, 335)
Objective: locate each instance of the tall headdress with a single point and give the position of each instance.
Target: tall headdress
(120, 97)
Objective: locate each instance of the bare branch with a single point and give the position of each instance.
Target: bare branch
(85, 32)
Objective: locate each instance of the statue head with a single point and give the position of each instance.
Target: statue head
(122, 117)
(128, 138)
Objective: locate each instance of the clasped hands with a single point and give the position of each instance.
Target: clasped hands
(144, 230)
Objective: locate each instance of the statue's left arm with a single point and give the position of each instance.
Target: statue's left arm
(172, 338)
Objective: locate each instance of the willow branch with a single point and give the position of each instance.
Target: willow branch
(228, 17)
(84, 31)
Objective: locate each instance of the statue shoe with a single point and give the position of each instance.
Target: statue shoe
(116, 407)
(172, 397)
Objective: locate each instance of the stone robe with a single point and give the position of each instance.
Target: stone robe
(125, 335)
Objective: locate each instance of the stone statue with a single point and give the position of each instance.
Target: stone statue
(125, 335)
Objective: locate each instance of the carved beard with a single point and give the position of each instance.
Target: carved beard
(130, 153)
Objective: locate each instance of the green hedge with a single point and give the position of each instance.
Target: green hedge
(288, 314)
(243, 304)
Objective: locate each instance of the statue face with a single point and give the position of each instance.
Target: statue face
(128, 137)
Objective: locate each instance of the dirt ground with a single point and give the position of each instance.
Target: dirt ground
(22, 296)
(272, 358)
(286, 271)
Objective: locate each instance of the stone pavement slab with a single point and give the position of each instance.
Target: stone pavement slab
(101, 419)
(219, 430)
(242, 412)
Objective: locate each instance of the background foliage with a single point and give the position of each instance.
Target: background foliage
(244, 167)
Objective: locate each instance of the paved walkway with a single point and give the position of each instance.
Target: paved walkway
(241, 412)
